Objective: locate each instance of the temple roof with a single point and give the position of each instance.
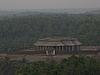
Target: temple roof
(57, 41)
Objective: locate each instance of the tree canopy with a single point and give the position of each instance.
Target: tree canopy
(19, 32)
(71, 66)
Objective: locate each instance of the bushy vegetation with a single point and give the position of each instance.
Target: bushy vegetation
(20, 32)
(71, 66)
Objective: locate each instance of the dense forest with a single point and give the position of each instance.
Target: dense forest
(71, 66)
(19, 32)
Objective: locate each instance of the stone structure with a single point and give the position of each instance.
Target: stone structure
(90, 50)
(58, 45)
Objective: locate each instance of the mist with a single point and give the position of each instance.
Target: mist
(48, 4)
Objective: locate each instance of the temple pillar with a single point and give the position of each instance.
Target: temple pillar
(62, 48)
(78, 49)
(69, 49)
(53, 52)
(43, 48)
(72, 49)
(58, 48)
(55, 48)
(39, 47)
(46, 49)
(66, 49)
(47, 53)
(36, 48)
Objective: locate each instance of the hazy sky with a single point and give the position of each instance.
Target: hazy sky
(45, 4)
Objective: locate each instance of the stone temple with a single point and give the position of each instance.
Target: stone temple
(58, 45)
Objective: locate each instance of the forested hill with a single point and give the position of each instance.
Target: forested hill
(18, 32)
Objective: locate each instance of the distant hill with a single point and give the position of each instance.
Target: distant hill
(94, 12)
(23, 12)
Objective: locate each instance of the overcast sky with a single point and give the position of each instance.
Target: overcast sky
(45, 4)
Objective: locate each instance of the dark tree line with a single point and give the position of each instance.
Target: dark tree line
(20, 32)
(71, 66)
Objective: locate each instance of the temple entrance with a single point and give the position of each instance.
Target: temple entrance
(50, 51)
